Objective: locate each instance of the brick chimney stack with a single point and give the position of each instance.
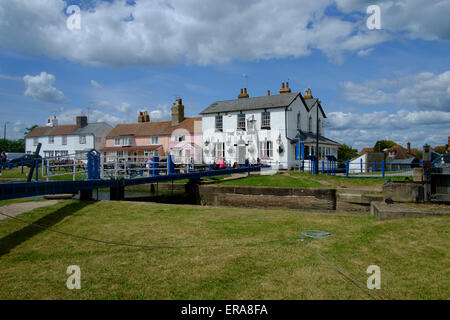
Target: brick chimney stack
(143, 117)
(243, 94)
(177, 112)
(409, 147)
(285, 89)
(82, 121)
(268, 93)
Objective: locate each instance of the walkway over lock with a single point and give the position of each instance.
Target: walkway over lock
(99, 176)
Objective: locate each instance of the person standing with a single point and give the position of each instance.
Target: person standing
(3, 159)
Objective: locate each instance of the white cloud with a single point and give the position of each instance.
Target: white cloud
(418, 19)
(9, 77)
(69, 116)
(95, 84)
(162, 112)
(181, 31)
(40, 87)
(364, 129)
(424, 90)
(363, 53)
(122, 107)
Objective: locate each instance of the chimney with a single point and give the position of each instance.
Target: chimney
(49, 123)
(308, 94)
(82, 121)
(243, 94)
(177, 112)
(143, 117)
(54, 121)
(409, 147)
(268, 93)
(285, 89)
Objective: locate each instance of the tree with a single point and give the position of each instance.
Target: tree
(380, 145)
(440, 149)
(28, 130)
(12, 145)
(345, 152)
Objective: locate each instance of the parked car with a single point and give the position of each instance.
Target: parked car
(25, 159)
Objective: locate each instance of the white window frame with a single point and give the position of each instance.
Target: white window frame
(241, 121)
(265, 120)
(219, 123)
(51, 139)
(154, 140)
(82, 139)
(219, 150)
(266, 148)
(180, 138)
(117, 141)
(64, 140)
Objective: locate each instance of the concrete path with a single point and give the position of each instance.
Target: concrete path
(18, 208)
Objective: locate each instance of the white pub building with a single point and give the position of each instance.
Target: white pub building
(279, 130)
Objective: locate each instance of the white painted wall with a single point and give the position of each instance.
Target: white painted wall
(355, 164)
(283, 125)
(73, 144)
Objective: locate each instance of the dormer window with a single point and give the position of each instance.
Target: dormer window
(241, 121)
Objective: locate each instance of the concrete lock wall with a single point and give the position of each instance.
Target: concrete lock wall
(268, 197)
(403, 192)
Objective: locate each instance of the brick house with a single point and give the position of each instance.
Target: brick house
(180, 137)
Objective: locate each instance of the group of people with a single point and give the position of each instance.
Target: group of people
(220, 164)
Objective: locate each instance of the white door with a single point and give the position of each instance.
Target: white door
(241, 154)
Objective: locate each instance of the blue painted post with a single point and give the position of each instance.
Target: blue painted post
(374, 165)
(170, 168)
(209, 168)
(36, 166)
(347, 168)
(382, 167)
(361, 166)
(155, 166)
(323, 167)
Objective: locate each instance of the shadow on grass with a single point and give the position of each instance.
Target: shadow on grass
(16, 238)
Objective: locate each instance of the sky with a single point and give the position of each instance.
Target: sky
(386, 78)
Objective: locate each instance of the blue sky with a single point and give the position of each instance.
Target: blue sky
(392, 83)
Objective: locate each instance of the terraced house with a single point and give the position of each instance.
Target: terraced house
(179, 137)
(270, 128)
(68, 139)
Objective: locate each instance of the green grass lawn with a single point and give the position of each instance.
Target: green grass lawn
(235, 254)
(16, 173)
(342, 181)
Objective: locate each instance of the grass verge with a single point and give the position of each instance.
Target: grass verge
(218, 253)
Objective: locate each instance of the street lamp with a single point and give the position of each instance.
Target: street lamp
(4, 135)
